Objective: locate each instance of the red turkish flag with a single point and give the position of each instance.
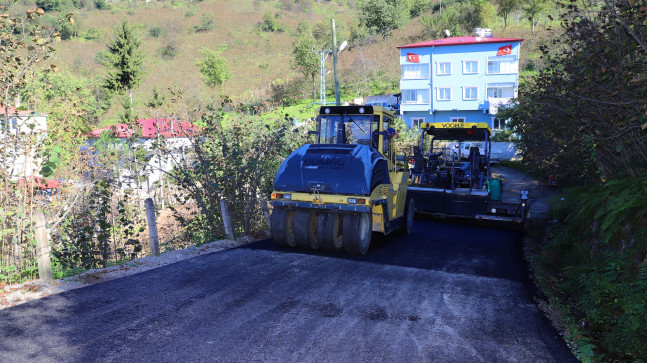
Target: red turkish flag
(415, 58)
(505, 50)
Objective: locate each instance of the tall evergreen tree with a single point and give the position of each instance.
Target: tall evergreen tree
(125, 60)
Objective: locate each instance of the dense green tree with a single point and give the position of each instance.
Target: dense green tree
(505, 7)
(70, 104)
(213, 68)
(305, 59)
(269, 23)
(125, 60)
(475, 14)
(68, 30)
(304, 28)
(417, 7)
(584, 115)
(459, 17)
(436, 23)
(53, 5)
(384, 16)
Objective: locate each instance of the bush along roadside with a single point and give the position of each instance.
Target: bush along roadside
(591, 263)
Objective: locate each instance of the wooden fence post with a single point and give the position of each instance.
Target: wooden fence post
(226, 218)
(266, 211)
(42, 248)
(152, 226)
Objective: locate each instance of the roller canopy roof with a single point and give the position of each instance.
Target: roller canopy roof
(464, 131)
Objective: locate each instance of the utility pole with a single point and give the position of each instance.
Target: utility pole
(334, 60)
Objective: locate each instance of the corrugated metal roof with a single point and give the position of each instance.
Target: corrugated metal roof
(151, 128)
(460, 41)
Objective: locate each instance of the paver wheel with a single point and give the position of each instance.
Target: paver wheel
(409, 213)
(357, 233)
(329, 232)
(281, 226)
(305, 229)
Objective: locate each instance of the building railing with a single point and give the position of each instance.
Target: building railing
(495, 103)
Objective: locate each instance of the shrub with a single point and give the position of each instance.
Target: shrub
(269, 23)
(236, 165)
(68, 30)
(600, 254)
(207, 23)
(93, 33)
(169, 51)
(80, 4)
(155, 31)
(102, 4)
(53, 5)
(102, 57)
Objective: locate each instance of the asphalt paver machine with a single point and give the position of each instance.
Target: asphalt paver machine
(445, 184)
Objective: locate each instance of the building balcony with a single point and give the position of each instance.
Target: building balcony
(495, 102)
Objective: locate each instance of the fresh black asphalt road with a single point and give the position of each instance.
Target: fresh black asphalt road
(446, 293)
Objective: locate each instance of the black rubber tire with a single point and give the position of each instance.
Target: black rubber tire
(281, 227)
(357, 233)
(305, 229)
(329, 232)
(277, 227)
(409, 213)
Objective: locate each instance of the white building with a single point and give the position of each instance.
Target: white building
(21, 134)
(174, 136)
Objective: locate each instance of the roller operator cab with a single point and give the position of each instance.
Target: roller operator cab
(333, 194)
(448, 183)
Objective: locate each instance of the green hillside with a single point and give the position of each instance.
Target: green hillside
(173, 33)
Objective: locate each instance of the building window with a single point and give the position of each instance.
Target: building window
(457, 119)
(444, 94)
(498, 124)
(495, 92)
(415, 71)
(500, 90)
(470, 67)
(502, 65)
(470, 93)
(416, 121)
(444, 68)
(415, 96)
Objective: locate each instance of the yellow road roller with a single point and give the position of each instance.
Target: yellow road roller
(332, 195)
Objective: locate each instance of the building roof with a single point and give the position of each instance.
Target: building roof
(38, 182)
(460, 41)
(12, 111)
(151, 128)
